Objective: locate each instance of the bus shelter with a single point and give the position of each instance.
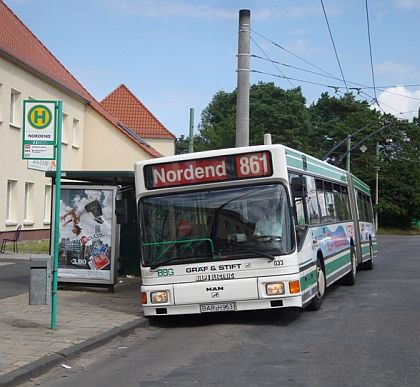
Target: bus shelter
(98, 232)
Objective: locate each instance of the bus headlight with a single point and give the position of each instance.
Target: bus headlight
(160, 297)
(274, 288)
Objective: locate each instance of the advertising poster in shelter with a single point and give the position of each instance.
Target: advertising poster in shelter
(87, 228)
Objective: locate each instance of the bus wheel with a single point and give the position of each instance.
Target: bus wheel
(316, 302)
(350, 278)
(368, 265)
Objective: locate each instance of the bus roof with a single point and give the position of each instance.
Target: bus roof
(296, 160)
(360, 185)
(304, 163)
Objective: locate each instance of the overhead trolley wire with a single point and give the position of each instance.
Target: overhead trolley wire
(357, 89)
(295, 79)
(370, 51)
(335, 49)
(292, 53)
(272, 61)
(327, 74)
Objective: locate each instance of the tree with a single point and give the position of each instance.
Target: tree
(333, 119)
(317, 129)
(181, 145)
(272, 110)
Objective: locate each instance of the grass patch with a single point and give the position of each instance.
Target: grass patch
(397, 231)
(37, 247)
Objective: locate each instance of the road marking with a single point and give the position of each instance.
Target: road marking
(6, 263)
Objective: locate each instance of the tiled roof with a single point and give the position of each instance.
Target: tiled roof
(20, 46)
(124, 105)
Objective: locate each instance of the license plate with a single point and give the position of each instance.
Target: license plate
(223, 307)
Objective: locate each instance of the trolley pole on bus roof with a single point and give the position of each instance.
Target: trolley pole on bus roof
(242, 90)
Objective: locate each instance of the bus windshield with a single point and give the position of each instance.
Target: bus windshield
(243, 222)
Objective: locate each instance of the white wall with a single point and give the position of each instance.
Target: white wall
(13, 168)
(164, 146)
(106, 148)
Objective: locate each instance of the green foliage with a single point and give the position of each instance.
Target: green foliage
(181, 145)
(272, 110)
(319, 128)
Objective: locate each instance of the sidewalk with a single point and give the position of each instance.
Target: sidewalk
(86, 318)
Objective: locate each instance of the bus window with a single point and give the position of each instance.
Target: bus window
(329, 202)
(312, 201)
(346, 200)
(339, 202)
(321, 200)
(362, 207)
(370, 210)
(298, 194)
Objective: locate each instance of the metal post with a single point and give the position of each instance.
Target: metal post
(348, 153)
(59, 115)
(191, 140)
(377, 185)
(242, 101)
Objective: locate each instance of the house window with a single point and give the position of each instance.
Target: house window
(76, 134)
(47, 205)
(15, 108)
(29, 199)
(11, 201)
(65, 129)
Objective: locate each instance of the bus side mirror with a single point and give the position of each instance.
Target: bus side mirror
(121, 211)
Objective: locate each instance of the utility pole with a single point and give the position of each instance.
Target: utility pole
(191, 135)
(348, 153)
(242, 90)
(377, 185)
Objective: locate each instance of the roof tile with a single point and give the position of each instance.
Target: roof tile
(124, 105)
(20, 45)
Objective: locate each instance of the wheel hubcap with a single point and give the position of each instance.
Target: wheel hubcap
(321, 282)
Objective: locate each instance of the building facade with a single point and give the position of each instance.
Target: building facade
(92, 137)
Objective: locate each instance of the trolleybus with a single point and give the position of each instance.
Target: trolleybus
(203, 248)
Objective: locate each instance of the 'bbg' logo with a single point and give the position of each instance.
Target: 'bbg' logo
(39, 117)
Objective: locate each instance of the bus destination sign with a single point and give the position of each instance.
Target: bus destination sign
(208, 170)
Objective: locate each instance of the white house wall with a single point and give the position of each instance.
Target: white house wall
(106, 148)
(165, 146)
(13, 168)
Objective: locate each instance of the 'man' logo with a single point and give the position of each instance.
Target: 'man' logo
(214, 288)
(39, 117)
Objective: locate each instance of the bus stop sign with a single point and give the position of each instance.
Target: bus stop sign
(39, 130)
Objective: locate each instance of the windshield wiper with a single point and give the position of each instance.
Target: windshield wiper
(182, 260)
(260, 253)
(166, 261)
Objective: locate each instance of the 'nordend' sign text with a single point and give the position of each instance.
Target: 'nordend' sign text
(215, 169)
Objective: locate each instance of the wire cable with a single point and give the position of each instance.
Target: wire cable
(292, 53)
(370, 51)
(336, 88)
(332, 40)
(273, 62)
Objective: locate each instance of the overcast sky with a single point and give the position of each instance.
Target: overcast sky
(175, 55)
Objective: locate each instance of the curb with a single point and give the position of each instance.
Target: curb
(38, 367)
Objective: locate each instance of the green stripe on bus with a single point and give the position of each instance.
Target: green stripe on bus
(365, 249)
(337, 263)
(360, 185)
(314, 166)
(307, 280)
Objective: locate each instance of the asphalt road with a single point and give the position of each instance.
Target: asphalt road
(366, 335)
(14, 276)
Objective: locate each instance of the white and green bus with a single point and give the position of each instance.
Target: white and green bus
(203, 249)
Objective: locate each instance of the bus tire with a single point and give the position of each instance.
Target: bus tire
(368, 265)
(316, 302)
(350, 278)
